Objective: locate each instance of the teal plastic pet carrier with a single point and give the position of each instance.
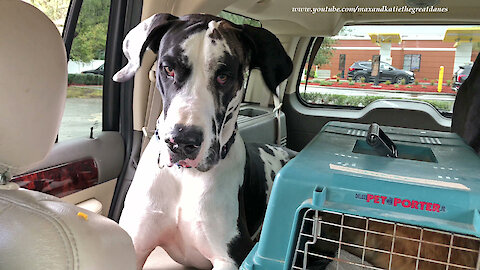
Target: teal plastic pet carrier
(358, 197)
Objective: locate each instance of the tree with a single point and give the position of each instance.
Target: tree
(56, 10)
(91, 32)
(325, 52)
(476, 46)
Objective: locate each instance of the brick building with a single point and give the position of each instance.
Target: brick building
(422, 55)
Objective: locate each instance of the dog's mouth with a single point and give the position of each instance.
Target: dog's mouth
(170, 159)
(184, 163)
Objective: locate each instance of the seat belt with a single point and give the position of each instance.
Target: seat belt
(277, 102)
(154, 108)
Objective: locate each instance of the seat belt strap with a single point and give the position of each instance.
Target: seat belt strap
(277, 102)
(154, 108)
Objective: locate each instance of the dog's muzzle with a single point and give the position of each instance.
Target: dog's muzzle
(184, 143)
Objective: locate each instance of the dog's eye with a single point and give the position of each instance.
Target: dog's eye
(222, 79)
(170, 71)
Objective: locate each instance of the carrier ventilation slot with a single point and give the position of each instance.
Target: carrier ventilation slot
(430, 140)
(356, 132)
(332, 240)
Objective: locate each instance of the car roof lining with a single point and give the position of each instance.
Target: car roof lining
(278, 17)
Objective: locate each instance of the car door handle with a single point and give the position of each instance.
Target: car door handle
(92, 205)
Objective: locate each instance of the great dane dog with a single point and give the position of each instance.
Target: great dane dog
(193, 192)
(466, 110)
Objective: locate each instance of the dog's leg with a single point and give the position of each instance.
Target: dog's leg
(147, 214)
(146, 230)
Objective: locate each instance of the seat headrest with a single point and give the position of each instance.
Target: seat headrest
(33, 82)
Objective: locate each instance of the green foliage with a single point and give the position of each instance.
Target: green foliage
(388, 82)
(350, 79)
(311, 74)
(403, 81)
(423, 86)
(409, 86)
(432, 82)
(237, 19)
(56, 10)
(85, 79)
(416, 82)
(396, 85)
(362, 79)
(325, 52)
(316, 80)
(363, 85)
(476, 46)
(425, 79)
(449, 82)
(350, 82)
(84, 92)
(325, 83)
(91, 32)
(337, 79)
(360, 101)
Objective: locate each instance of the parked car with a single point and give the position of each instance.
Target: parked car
(460, 76)
(361, 71)
(98, 70)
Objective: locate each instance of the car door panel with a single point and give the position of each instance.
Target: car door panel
(79, 170)
(63, 179)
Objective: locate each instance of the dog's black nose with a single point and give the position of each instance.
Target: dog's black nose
(185, 141)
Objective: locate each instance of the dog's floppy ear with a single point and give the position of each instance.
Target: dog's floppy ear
(268, 54)
(146, 34)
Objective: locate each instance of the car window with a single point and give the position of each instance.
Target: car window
(415, 54)
(239, 19)
(366, 65)
(56, 10)
(83, 108)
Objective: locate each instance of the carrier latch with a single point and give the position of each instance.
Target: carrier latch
(382, 144)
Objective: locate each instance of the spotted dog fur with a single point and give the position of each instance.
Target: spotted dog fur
(465, 120)
(198, 191)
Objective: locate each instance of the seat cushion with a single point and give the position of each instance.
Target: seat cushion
(39, 231)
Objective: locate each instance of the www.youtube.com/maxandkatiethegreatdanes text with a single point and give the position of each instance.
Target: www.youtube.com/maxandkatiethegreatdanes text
(358, 9)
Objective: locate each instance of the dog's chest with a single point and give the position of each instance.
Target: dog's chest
(206, 213)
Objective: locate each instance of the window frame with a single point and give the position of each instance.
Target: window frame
(299, 80)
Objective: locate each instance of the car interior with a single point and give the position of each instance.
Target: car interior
(93, 166)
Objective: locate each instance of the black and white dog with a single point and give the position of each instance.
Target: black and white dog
(191, 193)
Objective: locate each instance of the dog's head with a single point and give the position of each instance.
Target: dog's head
(201, 68)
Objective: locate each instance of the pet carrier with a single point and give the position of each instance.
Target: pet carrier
(348, 202)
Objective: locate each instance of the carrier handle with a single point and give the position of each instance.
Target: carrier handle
(382, 144)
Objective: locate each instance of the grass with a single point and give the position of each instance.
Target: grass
(361, 101)
(75, 91)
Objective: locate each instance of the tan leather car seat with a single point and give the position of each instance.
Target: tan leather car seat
(39, 231)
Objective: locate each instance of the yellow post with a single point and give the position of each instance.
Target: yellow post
(440, 79)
